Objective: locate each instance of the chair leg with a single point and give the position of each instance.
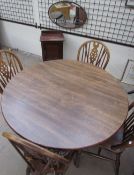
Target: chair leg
(64, 20)
(117, 163)
(28, 170)
(99, 151)
(76, 159)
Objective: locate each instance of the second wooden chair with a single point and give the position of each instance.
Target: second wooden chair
(40, 160)
(94, 52)
(5, 75)
(123, 139)
(12, 61)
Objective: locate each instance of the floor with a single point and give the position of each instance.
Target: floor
(12, 164)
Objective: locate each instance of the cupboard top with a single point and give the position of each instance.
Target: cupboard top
(51, 36)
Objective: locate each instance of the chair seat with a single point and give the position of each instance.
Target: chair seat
(114, 140)
(41, 167)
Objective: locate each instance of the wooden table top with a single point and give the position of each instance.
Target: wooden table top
(64, 104)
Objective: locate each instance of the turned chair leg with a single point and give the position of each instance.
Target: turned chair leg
(117, 163)
(76, 159)
(99, 151)
(28, 170)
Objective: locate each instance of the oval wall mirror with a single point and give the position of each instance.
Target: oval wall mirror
(67, 14)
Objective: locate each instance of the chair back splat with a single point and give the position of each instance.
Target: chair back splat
(94, 52)
(11, 60)
(5, 75)
(40, 160)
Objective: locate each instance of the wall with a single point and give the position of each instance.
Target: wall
(28, 39)
(107, 19)
(19, 36)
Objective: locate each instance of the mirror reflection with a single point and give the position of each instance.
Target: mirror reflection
(67, 14)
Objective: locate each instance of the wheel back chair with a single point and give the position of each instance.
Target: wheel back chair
(5, 75)
(123, 139)
(94, 52)
(40, 160)
(12, 61)
(10, 65)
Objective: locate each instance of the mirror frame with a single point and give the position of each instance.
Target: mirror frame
(85, 14)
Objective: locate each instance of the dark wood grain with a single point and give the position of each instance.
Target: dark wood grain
(65, 104)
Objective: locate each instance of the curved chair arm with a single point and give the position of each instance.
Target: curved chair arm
(131, 106)
(34, 147)
(123, 145)
(131, 92)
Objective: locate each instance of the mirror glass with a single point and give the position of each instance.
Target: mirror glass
(67, 14)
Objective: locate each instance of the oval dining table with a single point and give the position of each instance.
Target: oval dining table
(64, 104)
